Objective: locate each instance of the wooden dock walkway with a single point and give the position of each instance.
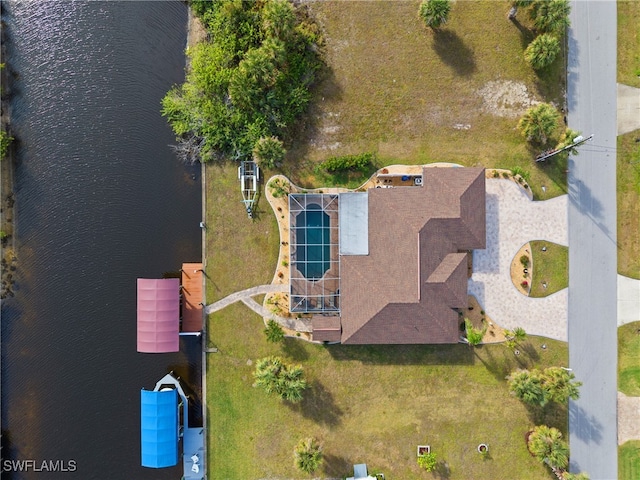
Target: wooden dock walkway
(192, 316)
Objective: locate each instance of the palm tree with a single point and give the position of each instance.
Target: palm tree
(435, 13)
(307, 455)
(519, 334)
(267, 373)
(278, 19)
(528, 387)
(542, 51)
(550, 16)
(274, 332)
(474, 335)
(269, 152)
(561, 385)
(546, 444)
(539, 123)
(276, 377)
(291, 384)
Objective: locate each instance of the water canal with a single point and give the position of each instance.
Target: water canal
(101, 200)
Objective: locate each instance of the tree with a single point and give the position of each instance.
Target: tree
(550, 16)
(474, 335)
(542, 51)
(269, 152)
(274, 332)
(546, 444)
(307, 455)
(428, 461)
(561, 385)
(528, 387)
(274, 376)
(278, 19)
(539, 123)
(435, 13)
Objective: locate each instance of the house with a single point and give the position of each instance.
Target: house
(389, 265)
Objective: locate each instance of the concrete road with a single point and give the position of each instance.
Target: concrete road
(591, 97)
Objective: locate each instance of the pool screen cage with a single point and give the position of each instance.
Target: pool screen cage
(314, 253)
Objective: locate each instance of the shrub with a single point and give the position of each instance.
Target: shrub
(274, 332)
(525, 284)
(524, 260)
(308, 455)
(428, 461)
(5, 140)
(348, 162)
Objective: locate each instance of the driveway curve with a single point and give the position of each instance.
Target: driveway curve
(512, 221)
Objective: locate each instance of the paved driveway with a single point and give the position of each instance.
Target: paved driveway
(512, 221)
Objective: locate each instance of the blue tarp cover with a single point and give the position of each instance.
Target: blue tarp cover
(159, 428)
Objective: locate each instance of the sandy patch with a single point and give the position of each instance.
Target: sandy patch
(506, 98)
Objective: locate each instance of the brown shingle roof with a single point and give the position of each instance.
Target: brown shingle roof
(325, 329)
(405, 290)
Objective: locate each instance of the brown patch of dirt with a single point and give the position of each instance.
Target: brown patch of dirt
(506, 98)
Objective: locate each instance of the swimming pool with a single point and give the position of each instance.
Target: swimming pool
(312, 242)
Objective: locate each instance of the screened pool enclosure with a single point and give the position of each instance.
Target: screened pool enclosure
(314, 253)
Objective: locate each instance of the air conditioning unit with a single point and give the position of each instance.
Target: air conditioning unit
(417, 181)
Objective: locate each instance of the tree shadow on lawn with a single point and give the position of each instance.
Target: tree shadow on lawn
(319, 405)
(502, 363)
(452, 51)
(458, 354)
(442, 470)
(335, 466)
(526, 34)
(552, 414)
(295, 349)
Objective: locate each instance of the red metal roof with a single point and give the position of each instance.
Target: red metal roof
(158, 315)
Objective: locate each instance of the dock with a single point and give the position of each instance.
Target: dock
(191, 281)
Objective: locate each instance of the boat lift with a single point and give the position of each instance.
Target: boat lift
(579, 140)
(249, 176)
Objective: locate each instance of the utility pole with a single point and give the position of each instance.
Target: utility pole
(579, 140)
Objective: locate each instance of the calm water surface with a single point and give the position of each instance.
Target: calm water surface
(101, 200)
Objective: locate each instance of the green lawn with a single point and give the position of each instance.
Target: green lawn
(628, 181)
(413, 96)
(629, 42)
(629, 460)
(550, 267)
(241, 252)
(370, 404)
(629, 359)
